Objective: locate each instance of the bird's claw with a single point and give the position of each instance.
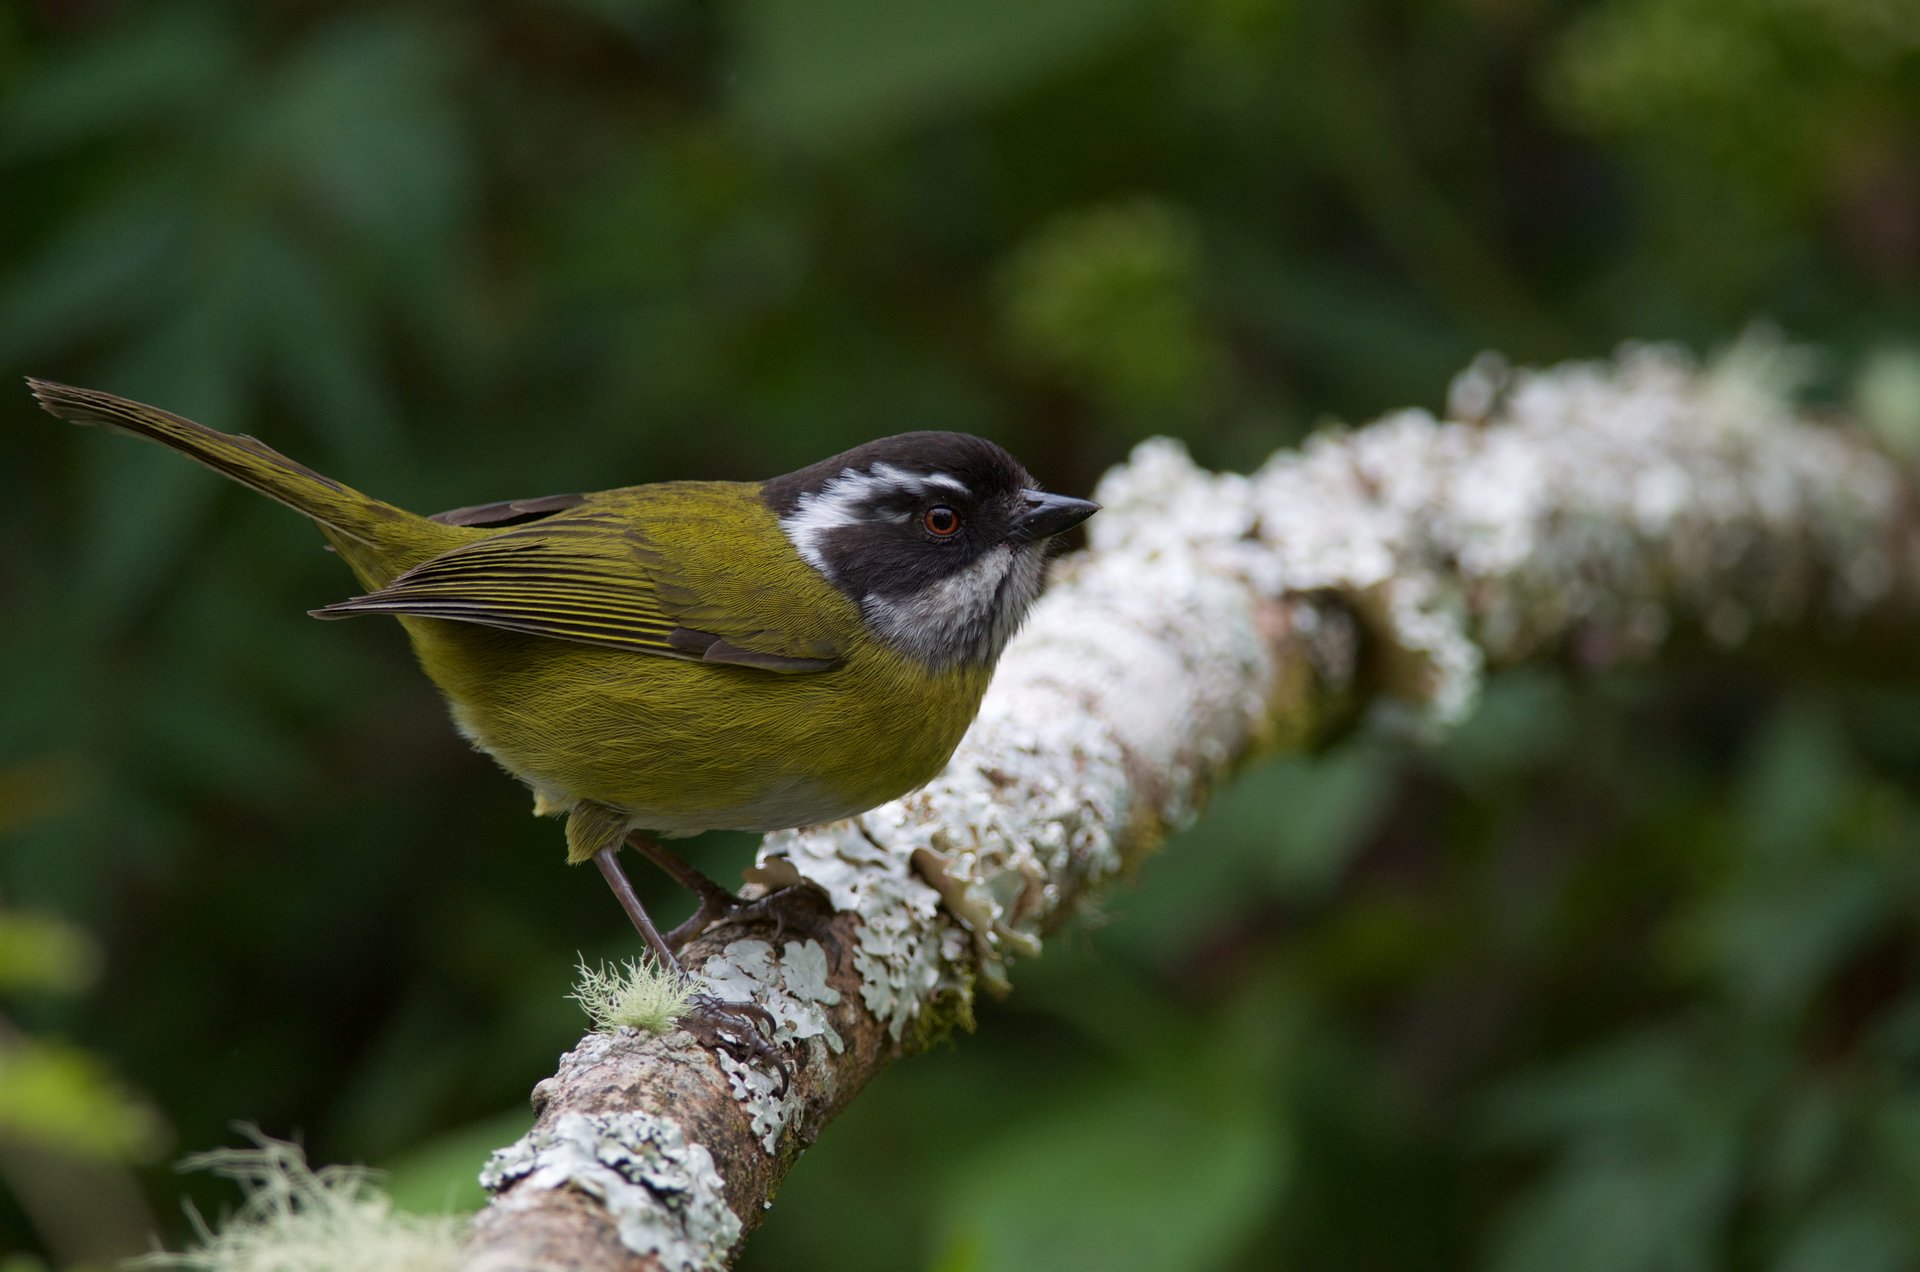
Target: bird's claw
(742, 1030)
(719, 905)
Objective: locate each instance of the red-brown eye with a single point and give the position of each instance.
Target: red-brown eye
(941, 521)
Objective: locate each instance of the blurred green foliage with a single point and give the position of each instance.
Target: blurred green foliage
(1622, 976)
(1105, 299)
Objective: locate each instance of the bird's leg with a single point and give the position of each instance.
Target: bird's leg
(716, 903)
(743, 1030)
(608, 859)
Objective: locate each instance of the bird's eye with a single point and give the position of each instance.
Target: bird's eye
(941, 521)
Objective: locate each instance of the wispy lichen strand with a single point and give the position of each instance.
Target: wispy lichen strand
(296, 1219)
(636, 994)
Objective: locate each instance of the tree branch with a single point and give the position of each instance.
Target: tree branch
(1589, 512)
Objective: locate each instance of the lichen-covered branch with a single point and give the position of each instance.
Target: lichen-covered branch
(1591, 510)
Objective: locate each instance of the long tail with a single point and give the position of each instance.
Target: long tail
(340, 510)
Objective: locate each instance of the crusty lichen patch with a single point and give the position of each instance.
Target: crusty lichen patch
(663, 1193)
(899, 954)
(794, 988)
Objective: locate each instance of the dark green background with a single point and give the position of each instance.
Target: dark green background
(1622, 977)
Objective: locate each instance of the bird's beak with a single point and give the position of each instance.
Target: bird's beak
(1047, 515)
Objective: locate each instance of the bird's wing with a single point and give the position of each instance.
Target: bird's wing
(634, 571)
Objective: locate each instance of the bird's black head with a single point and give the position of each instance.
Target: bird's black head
(939, 537)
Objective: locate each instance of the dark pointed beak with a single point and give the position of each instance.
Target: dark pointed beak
(1047, 515)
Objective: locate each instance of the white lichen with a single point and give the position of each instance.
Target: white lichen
(1598, 504)
(662, 1193)
(794, 989)
(637, 994)
(897, 955)
(296, 1219)
(747, 971)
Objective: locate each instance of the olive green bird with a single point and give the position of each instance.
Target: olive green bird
(689, 656)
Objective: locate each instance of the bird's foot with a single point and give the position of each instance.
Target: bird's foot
(812, 917)
(716, 906)
(742, 1030)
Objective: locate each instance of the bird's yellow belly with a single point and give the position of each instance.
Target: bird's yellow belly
(684, 746)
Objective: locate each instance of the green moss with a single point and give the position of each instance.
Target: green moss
(946, 1012)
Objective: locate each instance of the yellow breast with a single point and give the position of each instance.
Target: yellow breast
(687, 746)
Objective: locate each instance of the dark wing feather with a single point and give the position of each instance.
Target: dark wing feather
(508, 512)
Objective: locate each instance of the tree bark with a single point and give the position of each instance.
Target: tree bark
(1587, 513)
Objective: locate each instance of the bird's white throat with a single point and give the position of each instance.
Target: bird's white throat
(966, 617)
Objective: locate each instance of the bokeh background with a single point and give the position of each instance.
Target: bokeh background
(1621, 976)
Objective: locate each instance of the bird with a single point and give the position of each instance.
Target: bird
(665, 659)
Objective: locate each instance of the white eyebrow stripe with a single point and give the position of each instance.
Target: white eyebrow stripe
(914, 483)
(848, 500)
